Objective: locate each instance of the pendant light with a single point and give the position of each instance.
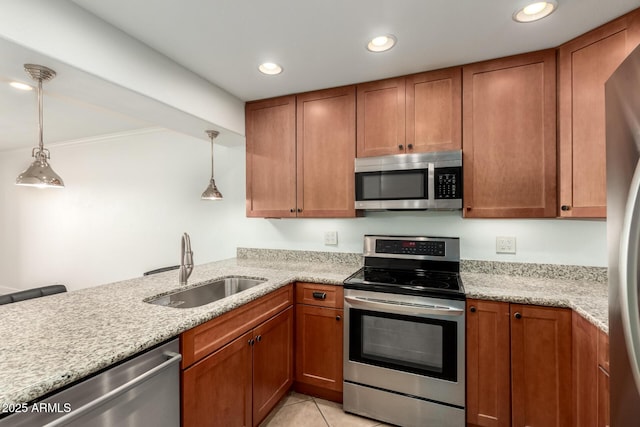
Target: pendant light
(211, 192)
(40, 174)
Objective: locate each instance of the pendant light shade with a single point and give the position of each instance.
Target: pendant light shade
(211, 192)
(40, 174)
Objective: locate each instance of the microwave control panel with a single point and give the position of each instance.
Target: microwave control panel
(448, 183)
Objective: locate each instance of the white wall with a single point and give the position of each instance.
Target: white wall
(128, 199)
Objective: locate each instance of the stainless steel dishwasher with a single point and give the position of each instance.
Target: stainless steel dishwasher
(142, 391)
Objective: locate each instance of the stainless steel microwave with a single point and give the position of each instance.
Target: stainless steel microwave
(410, 181)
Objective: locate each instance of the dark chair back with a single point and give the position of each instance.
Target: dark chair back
(32, 293)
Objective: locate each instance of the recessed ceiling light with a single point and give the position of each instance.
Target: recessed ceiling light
(535, 10)
(270, 68)
(21, 86)
(381, 43)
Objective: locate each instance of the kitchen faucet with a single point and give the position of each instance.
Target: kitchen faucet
(186, 259)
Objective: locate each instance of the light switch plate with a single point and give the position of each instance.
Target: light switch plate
(330, 237)
(505, 245)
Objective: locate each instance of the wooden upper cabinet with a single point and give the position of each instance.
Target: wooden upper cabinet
(271, 157)
(584, 65)
(381, 118)
(541, 366)
(488, 364)
(326, 145)
(509, 137)
(434, 111)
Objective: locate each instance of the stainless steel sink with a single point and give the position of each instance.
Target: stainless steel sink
(207, 292)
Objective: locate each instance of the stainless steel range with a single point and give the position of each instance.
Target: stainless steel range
(404, 342)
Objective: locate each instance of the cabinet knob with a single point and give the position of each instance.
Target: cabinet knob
(517, 315)
(319, 295)
(565, 208)
(259, 338)
(472, 309)
(400, 147)
(250, 341)
(299, 209)
(338, 318)
(410, 146)
(292, 210)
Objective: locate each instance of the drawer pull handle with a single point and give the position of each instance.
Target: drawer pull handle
(338, 318)
(517, 315)
(472, 309)
(320, 295)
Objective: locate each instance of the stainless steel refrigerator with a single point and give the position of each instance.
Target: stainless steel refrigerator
(622, 93)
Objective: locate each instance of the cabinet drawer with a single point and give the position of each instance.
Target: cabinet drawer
(320, 295)
(204, 339)
(603, 350)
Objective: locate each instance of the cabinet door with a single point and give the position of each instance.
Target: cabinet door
(326, 128)
(217, 390)
(540, 366)
(319, 347)
(272, 363)
(434, 111)
(603, 398)
(509, 138)
(488, 364)
(584, 65)
(585, 371)
(381, 118)
(271, 157)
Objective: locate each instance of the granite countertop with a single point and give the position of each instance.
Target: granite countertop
(50, 342)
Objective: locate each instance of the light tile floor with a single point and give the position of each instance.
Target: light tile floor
(300, 410)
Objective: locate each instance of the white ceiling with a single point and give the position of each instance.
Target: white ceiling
(319, 43)
(322, 43)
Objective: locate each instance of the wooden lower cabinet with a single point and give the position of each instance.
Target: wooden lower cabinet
(272, 363)
(319, 340)
(237, 366)
(488, 364)
(603, 398)
(217, 390)
(538, 360)
(585, 372)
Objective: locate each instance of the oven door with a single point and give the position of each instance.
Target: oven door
(406, 344)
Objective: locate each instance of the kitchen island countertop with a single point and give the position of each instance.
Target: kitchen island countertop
(51, 342)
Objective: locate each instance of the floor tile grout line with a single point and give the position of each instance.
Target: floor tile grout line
(320, 410)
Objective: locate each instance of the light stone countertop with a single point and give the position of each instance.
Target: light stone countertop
(51, 342)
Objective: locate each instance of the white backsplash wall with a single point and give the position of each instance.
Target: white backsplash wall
(129, 199)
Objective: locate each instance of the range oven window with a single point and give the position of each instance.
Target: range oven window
(418, 345)
(392, 185)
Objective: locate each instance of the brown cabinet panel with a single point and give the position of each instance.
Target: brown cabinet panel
(585, 371)
(604, 417)
(217, 390)
(326, 149)
(272, 363)
(319, 346)
(488, 364)
(541, 366)
(381, 118)
(434, 111)
(603, 350)
(271, 157)
(509, 142)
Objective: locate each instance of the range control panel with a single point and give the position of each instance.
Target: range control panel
(447, 182)
(411, 247)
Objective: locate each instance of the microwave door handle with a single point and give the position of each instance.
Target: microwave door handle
(395, 307)
(628, 282)
(431, 185)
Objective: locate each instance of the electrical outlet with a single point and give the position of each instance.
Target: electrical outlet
(330, 237)
(505, 245)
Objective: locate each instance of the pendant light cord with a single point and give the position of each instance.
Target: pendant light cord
(41, 143)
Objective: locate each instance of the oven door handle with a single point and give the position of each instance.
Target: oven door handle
(404, 308)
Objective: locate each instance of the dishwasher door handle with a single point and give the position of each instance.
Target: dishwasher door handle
(404, 308)
(118, 391)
